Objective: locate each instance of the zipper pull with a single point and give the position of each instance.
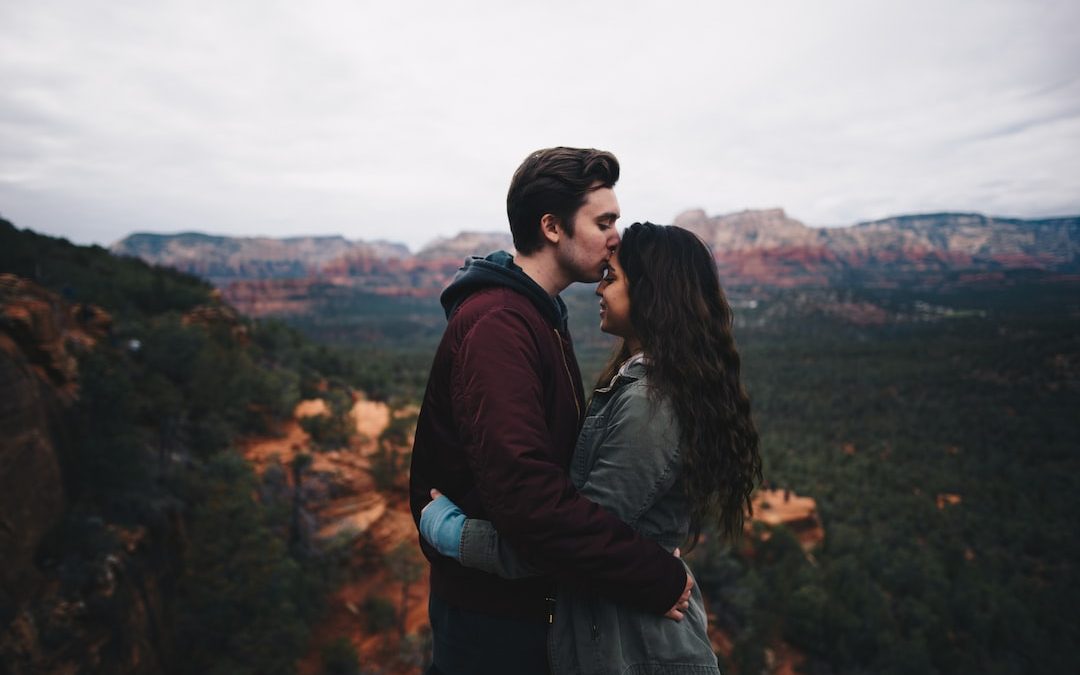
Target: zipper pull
(551, 609)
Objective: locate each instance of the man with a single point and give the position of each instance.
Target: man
(500, 419)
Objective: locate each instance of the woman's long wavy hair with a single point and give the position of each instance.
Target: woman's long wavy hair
(683, 320)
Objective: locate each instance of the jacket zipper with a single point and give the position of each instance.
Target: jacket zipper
(566, 366)
(551, 635)
(577, 407)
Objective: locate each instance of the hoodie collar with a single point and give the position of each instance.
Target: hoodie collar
(499, 269)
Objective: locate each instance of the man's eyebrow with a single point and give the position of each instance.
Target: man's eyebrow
(609, 215)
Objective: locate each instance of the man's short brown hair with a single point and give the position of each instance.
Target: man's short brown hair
(555, 181)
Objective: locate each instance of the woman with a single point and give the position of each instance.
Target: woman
(668, 445)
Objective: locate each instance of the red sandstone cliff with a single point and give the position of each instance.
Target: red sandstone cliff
(47, 630)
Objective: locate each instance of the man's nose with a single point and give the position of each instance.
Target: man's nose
(613, 242)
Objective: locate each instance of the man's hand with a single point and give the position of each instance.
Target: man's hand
(676, 611)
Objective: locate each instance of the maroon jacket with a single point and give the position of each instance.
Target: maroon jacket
(499, 421)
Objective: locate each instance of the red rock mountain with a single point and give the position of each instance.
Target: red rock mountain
(761, 248)
(222, 259)
(262, 276)
(769, 248)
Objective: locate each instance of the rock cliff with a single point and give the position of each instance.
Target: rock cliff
(37, 382)
(45, 624)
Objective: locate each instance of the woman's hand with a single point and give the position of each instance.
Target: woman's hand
(441, 524)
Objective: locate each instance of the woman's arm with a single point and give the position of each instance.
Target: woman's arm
(482, 548)
(472, 542)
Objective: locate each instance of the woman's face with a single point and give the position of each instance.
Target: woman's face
(615, 302)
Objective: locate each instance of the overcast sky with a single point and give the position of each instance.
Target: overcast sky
(405, 120)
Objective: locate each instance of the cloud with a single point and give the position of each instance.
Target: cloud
(406, 120)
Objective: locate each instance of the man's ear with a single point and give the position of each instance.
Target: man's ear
(551, 227)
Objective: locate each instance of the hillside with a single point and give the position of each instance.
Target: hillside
(157, 448)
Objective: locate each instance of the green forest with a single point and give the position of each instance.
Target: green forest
(150, 444)
(872, 421)
(980, 408)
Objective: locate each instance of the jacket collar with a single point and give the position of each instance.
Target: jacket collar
(631, 369)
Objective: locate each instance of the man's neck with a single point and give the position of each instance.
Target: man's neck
(541, 268)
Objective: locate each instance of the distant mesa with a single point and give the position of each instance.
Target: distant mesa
(769, 248)
(266, 276)
(465, 244)
(221, 259)
(754, 249)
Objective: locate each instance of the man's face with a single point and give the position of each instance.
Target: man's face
(584, 256)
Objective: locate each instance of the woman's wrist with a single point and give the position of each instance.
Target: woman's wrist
(441, 525)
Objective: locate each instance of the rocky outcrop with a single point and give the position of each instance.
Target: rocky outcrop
(38, 381)
(774, 508)
(44, 329)
(344, 508)
(218, 316)
(46, 626)
(339, 492)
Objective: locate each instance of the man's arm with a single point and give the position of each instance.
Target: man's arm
(499, 405)
(475, 543)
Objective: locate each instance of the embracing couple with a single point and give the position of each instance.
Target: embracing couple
(552, 525)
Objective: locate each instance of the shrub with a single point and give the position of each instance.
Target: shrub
(381, 613)
(340, 658)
